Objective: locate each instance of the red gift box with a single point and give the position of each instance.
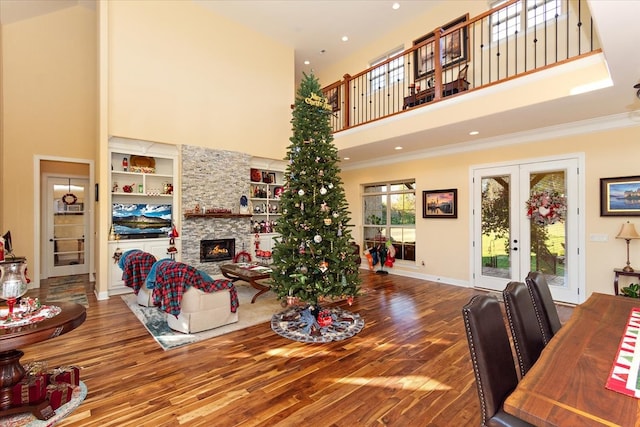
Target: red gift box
(64, 374)
(30, 390)
(59, 394)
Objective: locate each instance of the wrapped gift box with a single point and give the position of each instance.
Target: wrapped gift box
(64, 374)
(30, 390)
(59, 394)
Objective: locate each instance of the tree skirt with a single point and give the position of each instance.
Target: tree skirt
(296, 323)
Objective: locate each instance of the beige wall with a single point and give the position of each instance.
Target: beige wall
(381, 42)
(49, 106)
(180, 74)
(449, 259)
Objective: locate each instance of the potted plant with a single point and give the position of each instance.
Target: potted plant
(632, 291)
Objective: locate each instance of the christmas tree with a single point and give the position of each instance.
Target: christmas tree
(313, 258)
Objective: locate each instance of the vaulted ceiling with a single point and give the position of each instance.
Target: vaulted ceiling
(313, 26)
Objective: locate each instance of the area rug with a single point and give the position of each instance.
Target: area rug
(295, 324)
(248, 315)
(68, 289)
(29, 420)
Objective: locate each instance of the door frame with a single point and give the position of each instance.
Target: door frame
(90, 210)
(580, 254)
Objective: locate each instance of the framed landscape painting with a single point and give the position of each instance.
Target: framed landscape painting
(620, 196)
(440, 203)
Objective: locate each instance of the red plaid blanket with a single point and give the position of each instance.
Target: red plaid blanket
(174, 278)
(135, 268)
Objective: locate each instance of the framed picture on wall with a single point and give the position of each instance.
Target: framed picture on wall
(454, 48)
(440, 203)
(620, 196)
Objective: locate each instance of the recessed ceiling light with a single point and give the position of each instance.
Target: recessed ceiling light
(398, 148)
(474, 132)
(345, 38)
(396, 6)
(307, 62)
(347, 158)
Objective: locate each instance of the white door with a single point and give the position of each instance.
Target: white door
(67, 226)
(507, 244)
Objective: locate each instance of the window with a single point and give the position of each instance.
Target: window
(389, 73)
(508, 21)
(390, 214)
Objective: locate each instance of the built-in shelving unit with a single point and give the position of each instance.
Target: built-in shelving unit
(144, 174)
(266, 185)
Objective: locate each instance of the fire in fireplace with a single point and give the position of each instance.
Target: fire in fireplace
(217, 250)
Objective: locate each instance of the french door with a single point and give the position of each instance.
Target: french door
(67, 226)
(507, 244)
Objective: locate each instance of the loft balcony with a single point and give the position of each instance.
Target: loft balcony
(516, 39)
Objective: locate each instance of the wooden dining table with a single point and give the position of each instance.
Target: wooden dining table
(566, 385)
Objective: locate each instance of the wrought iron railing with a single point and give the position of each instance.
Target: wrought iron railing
(514, 39)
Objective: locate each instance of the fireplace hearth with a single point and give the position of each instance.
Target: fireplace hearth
(217, 250)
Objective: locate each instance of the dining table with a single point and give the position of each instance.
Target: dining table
(567, 384)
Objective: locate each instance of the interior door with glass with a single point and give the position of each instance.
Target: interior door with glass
(68, 225)
(525, 219)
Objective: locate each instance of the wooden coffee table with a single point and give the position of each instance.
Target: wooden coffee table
(235, 272)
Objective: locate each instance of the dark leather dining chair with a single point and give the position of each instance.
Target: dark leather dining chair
(543, 304)
(525, 330)
(492, 360)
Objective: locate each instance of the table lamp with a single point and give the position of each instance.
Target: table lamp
(628, 232)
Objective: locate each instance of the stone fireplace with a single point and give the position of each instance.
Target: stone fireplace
(212, 179)
(217, 250)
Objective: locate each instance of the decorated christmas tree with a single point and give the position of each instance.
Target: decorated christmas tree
(313, 259)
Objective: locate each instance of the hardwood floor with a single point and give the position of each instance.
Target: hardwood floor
(409, 366)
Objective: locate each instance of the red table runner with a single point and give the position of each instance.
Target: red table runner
(624, 374)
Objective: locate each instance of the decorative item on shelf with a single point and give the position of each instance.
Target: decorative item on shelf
(547, 207)
(125, 164)
(628, 232)
(142, 164)
(244, 205)
(140, 189)
(115, 188)
(196, 210)
(277, 192)
(128, 188)
(266, 178)
(167, 188)
(218, 211)
(117, 254)
(256, 175)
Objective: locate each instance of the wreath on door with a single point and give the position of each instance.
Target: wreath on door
(69, 199)
(547, 207)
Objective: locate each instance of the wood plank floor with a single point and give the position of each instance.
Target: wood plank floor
(408, 367)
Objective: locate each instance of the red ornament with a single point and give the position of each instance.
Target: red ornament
(350, 300)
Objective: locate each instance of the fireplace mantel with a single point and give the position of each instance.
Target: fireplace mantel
(216, 215)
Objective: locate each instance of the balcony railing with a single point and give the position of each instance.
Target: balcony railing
(508, 41)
